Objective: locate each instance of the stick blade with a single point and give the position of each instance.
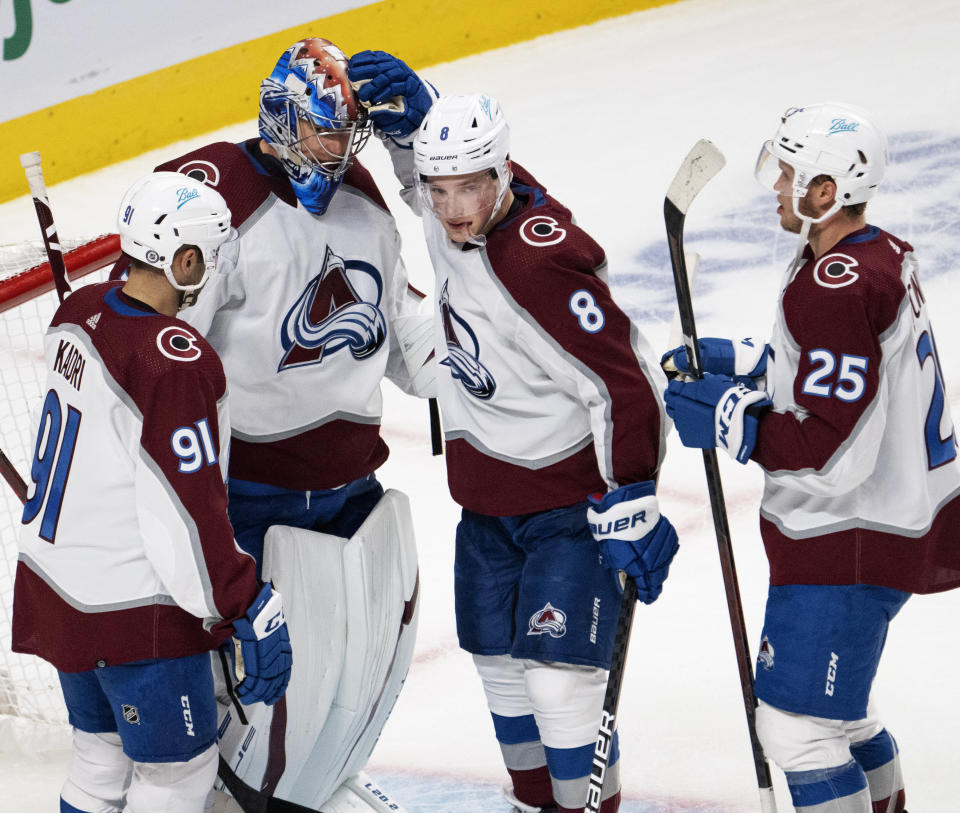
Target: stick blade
(702, 162)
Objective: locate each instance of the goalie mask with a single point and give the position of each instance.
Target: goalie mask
(167, 210)
(310, 116)
(826, 139)
(465, 138)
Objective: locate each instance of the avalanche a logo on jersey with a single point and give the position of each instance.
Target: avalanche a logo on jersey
(549, 621)
(465, 365)
(339, 309)
(835, 271)
(765, 657)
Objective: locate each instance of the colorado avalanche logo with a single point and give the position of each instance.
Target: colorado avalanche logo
(178, 343)
(202, 171)
(765, 658)
(835, 271)
(332, 313)
(541, 230)
(465, 365)
(549, 621)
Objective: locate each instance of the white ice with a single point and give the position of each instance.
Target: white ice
(603, 115)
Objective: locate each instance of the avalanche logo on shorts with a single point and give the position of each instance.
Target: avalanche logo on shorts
(130, 714)
(339, 309)
(765, 658)
(549, 620)
(464, 363)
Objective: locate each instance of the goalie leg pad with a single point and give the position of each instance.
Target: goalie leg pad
(360, 794)
(99, 773)
(351, 608)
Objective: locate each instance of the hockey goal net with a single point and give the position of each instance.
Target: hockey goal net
(32, 714)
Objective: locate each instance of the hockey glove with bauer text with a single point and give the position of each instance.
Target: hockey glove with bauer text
(633, 537)
(261, 651)
(738, 357)
(713, 412)
(396, 98)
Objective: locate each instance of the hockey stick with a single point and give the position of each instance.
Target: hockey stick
(9, 473)
(30, 161)
(701, 164)
(621, 642)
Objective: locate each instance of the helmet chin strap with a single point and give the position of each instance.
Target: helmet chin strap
(807, 222)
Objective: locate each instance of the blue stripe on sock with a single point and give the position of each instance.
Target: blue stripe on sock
(574, 763)
(809, 788)
(515, 730)
(875, 752)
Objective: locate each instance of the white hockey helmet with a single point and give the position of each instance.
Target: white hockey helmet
(167, 210)
(462, 135)
(832, 139)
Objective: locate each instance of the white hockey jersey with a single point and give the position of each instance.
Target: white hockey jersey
(126, 550)
(859, 452)
(550, 392)
(301, 311)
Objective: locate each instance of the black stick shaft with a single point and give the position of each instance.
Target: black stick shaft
(674, 219)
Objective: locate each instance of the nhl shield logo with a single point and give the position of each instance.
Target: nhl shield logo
(550, 621)
(130, 714)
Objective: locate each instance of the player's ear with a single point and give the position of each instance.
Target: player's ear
(825, 193)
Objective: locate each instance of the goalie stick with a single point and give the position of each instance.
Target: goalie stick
(30, 161)
(703, 162)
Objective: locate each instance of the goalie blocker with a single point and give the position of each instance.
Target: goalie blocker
(351, 608)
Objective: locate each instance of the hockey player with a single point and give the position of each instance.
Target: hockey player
(309, 311)
(549, 395)
(853, 433)
(128, 573)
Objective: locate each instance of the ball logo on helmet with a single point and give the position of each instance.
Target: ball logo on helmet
(842, 126)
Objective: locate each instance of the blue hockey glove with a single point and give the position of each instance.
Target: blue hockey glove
(397, 99)
(712, 412)
(633, 537)
(262, 654)
(742, 357)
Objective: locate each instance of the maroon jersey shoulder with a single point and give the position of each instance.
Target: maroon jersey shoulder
(540, 254)
(541, 235)
(230, 170)
(860, 275)
(143, 351)
(358, 177)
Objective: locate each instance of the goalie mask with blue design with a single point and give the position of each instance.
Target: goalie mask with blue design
(310, 117)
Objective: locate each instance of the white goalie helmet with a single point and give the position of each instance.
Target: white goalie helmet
(167, 210)
(832, 139)
(462, 135)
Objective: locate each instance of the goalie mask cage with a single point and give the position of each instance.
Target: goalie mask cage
(32, 715)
